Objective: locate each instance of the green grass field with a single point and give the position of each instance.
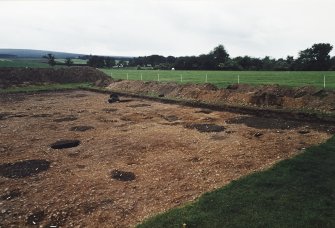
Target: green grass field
(224, 78)
(298, 192)
(75, 61)
(33, 63)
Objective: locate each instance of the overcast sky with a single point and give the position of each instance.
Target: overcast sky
(256, 28)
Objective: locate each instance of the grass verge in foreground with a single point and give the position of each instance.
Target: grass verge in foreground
(49, 87)
(298, 192)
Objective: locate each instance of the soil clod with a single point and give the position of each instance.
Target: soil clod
(23, 168)
(81, 128)
(36, 218)
(303, 132)
(11, 194)
(258, 134)
(122, 175)
(63, 144)
(206, 127)
(113, 98)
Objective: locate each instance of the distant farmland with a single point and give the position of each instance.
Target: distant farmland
(224, 78)
(22, 62)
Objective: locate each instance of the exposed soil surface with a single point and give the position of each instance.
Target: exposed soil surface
(165, 164)
(35, 76)
(307, 98)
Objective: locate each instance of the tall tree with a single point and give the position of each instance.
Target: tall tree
(220, 56)
(51, 59)
(315, 58)
(68, 62)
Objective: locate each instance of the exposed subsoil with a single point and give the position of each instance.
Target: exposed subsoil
(138, 160)
(275, 96)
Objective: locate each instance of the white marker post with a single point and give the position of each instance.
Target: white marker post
(181, 78)
(238, 79)
(324, 81)
(206, 78)
(127, 76)
(158, 77)
(141, 78)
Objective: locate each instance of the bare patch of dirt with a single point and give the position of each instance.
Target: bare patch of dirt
(172, 164)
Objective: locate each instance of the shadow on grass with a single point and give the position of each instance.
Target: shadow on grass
(299, 192)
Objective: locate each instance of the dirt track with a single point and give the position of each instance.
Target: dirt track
(172, 161)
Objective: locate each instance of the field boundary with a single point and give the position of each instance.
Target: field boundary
(262, 112)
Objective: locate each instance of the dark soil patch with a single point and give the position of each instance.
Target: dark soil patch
(122, 175)
(81, 128)
(7, 115)
(65, 119)
(170, 118)
(36, 218)
(12, 194)
(109, 110)
(43, 115)
(266, 98)
(139, 105)
(206, 127)
(23, 168)
(63, 144)
(113, 98)
(205, 111)
(303, 132)
(265, 123)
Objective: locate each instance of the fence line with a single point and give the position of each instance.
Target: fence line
(284, 78)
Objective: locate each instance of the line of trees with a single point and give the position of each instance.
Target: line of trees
(315, 58)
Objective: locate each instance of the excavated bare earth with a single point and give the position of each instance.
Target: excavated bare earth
(129, 160)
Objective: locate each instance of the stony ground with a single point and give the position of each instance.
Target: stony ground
(135, 158)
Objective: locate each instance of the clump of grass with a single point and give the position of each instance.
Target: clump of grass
(299, 192)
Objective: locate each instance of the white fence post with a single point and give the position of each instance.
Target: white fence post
(127, 76)
(158, 77)
(238, 79)
(206, 78)
(141, 78)
(181, 78)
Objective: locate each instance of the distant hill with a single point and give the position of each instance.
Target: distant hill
(30, 53)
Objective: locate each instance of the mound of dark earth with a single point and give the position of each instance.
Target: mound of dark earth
(32, 76)
(23, 168)
(63, 144)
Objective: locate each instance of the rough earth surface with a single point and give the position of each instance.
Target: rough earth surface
(137, 158)
(275, 96)
(37, 76)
